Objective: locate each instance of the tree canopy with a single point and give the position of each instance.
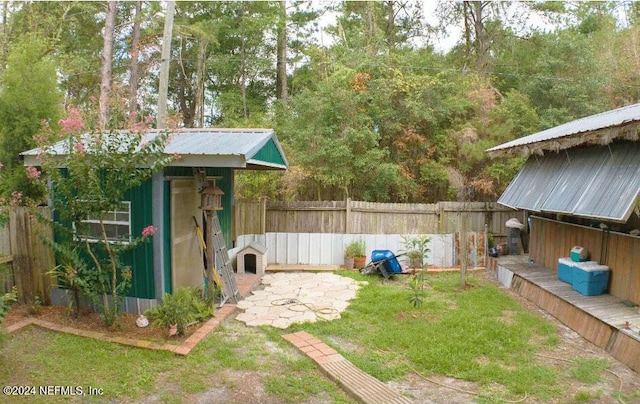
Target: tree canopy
(364, 103)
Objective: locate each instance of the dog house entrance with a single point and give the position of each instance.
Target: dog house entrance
(250, 263)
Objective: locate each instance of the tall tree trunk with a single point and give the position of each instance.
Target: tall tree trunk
(133, 66)
(282, 92)
(200, 73)
(3, 41)
(481, 45)
(391, 23)
(163, 87)
(243, 79)
(185, 93)
(372, 28)
(467, 29)
(107, 56)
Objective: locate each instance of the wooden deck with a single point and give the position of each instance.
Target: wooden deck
(605, 320)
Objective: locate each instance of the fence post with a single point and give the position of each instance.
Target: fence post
(347, 219)
(263, 215)
(440, 218)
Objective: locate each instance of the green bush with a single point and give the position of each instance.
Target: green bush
(181, 308)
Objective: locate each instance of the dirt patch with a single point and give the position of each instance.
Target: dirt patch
(507, 316)
(125, 326)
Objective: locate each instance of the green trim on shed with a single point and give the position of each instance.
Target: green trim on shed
(166, 243)
(269, 153)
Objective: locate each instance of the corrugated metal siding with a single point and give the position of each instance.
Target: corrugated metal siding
(141, 258)
(328, 248)
(575, 180)
(598, 182)
(533, 184)
(226, 214)
(616, 185)
(606, 119)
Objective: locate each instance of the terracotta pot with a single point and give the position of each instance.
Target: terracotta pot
(359, 262)
(348, 262)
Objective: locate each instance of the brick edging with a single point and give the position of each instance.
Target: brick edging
(183, 348)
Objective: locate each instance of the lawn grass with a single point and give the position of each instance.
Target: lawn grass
(37, 357)
(479, 334)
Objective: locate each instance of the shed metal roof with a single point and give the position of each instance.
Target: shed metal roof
(602, 129)
(601, 182)
(210, 147)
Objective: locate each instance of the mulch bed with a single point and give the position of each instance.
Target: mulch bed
(125, 325)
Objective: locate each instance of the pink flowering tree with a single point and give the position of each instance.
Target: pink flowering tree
(91, 171)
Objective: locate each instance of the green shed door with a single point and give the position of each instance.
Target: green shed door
(187, 266)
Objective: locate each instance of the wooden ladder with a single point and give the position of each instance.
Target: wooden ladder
(230, 290)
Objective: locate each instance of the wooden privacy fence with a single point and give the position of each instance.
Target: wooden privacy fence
(22, 250)
(357, 217)
(6, 271)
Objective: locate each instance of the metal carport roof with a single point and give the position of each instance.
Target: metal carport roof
(600, 129)
(601, 182)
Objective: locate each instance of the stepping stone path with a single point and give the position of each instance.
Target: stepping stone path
(289, 298)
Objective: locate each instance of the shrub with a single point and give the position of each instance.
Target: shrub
(180, 308)
(6, 300)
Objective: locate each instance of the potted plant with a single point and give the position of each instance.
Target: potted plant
(354, 255)
(416, 249)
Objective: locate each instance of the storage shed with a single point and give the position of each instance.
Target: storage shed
(171, 202)
(580, 186)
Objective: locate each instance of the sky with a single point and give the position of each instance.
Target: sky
(429, 6)
(442, 43)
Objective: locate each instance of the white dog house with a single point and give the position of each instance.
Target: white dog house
(252, 258)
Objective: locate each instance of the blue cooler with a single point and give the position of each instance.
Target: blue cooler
(590, 278)
(565, 269)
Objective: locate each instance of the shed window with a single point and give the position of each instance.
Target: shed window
(117, 225)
